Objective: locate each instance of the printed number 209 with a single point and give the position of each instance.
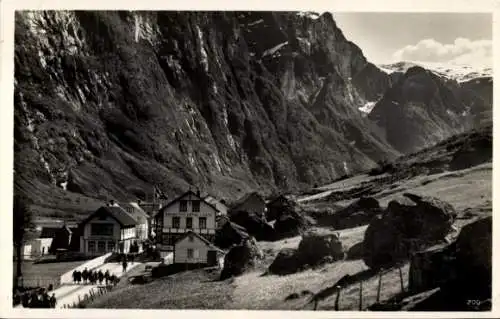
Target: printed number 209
(472, 302)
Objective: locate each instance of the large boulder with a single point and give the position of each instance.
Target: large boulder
(409, 224)
(280, 206)
(431, 268)
(255, 225)
(240, 258)
(358, 213)
(462, 270)
(316, 245)
(474, 258)
(286, 262)
(361, 212)
(289, 224)
(230, 234)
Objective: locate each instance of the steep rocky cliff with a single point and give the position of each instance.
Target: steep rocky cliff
(422, 108)
(108, 104)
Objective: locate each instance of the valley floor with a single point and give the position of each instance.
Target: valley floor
(467, 190)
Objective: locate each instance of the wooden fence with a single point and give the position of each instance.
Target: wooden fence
(84, 300)
(340, 285)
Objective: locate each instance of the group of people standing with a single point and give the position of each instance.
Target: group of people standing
(37, 298)
(93, 277)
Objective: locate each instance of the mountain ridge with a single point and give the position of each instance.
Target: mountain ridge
(108, 104)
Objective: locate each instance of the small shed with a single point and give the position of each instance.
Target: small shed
(194, 249)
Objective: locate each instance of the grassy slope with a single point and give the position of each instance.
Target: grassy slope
(468, 189)
(188, 290)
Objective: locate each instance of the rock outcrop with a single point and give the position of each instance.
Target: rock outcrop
(317, 247)
(358, 213)
(255, 225)
(286, 262)
(230, 234)
(289, 224)
(240, 259)
(407, 225)
(474, 249)
(462, 271)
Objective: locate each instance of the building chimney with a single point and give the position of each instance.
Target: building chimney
(111, 202)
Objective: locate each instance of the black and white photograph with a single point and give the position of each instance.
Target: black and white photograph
(251, 160)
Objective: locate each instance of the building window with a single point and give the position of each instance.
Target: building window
(101, 229)
(111, 245)
(183, 206)
(101, 246)
(91, 247)
(203, 222)
(196, 206)
(189, 222)
(190, 253)
(176, 222)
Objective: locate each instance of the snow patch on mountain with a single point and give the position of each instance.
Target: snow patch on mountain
(274, 49)
(368, 107)
(309, 14)
(452, 71)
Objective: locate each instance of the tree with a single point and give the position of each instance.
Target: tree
(22, 220)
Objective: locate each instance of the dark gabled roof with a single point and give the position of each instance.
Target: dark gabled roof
(204, 240)
(185, 194)
(116, 212)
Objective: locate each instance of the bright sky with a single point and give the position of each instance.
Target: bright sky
(385, 37)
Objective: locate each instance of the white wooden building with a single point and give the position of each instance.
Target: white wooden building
(188, 212)
(108, 229)
(194, 249)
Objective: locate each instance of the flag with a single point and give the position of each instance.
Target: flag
(158, 193)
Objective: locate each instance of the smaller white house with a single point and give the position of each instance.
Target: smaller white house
(194, 249)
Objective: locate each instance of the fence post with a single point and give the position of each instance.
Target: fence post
(315, 304)
(337, 300)
(379, 286)
(361, 295)
(401, 278)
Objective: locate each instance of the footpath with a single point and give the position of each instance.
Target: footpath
(69, 292)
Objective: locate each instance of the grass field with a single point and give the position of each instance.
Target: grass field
(47, 270)
(196, 289)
